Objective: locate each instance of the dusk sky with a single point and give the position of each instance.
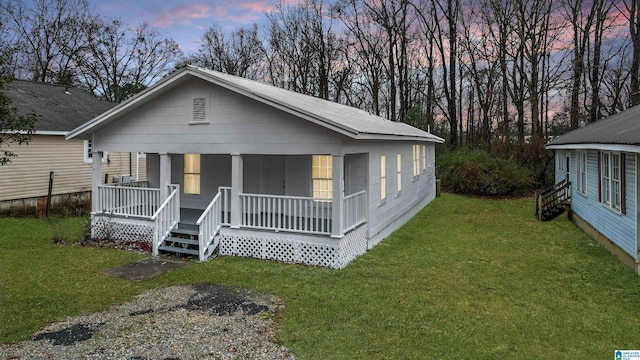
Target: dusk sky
(184, 21)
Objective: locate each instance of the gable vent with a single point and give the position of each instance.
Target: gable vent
(199, 109)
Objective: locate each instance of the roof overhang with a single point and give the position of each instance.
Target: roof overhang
(596, 146)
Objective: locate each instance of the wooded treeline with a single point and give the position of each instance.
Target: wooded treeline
(481, 73)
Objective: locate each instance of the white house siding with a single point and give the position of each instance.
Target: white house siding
(414, 192)
(616, 227)
(235, 124)
(27, 176)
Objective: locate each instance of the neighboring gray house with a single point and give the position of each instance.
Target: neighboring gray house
(237, 167)
(601, 161)
(25, 180)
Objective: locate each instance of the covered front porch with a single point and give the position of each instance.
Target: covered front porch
(262, 212)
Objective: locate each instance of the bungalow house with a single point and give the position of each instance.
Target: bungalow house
(237, 167)
(601, 162)
(24, 183)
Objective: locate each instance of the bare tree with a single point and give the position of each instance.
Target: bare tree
(632, 8)
(303, 49)
(120, 61)
(440, 19)
(238, 53)
(49, 37)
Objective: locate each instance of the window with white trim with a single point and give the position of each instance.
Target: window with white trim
(192, 174)
(416, 161)
(560, 160)
(399, 172)
(424, 158)
(611, 180)
(88, 153)
(322, 176)
(383, 179)
(581, 171)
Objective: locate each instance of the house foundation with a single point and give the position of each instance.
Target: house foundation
(622, 255)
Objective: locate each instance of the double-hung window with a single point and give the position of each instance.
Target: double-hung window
(192, 174)
(612, 180)
(581, 171)
(383, 179)
(88, 152)
(424, 158)
(416, 161)
(399, 172)
(322, 177)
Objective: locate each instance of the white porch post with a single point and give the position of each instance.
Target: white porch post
(96, 179)
(237, 184)
(337, 207)
(165, 175)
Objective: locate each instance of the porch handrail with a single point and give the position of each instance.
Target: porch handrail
(128, 200)
(286, 213)
(355, 210)
(166, 217)
(209, 224)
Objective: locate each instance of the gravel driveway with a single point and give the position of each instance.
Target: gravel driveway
(179, 322)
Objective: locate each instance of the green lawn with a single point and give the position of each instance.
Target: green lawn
(466, 278)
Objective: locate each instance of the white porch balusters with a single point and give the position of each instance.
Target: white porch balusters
(165, 175)
(337, 210)
(236, 189)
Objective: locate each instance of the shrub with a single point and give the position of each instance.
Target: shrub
(479, 173)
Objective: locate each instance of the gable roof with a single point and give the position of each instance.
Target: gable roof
(620, 129)
(60, 108)
(347, 120)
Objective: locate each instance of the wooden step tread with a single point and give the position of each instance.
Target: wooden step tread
(178, 250)
(185, 231)
(182, 240)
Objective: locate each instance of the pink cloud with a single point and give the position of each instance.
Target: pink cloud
(256, 6)
(183, 14)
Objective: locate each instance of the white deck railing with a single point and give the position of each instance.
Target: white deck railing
(355, 210)
(209, 224)
(139, 184)
(166, 217)
(286, 213)
(128, 200)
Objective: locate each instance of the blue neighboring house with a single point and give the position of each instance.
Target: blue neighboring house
(601, 161)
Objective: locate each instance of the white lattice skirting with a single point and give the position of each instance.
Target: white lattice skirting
(335, 253)
(105, 227)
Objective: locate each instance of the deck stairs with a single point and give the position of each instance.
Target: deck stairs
(184, 240)
(553, 201)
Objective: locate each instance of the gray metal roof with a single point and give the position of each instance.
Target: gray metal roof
(59, 108)
(622, 128)
(348, 120)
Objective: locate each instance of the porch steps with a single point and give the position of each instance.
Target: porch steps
(182, 240)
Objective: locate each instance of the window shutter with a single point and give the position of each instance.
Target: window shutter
(623, 184)
(599, 176)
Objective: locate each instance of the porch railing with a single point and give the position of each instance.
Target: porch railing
(128, 200)
(355, 210)
(166, 217)
(209, 224)
(286, 213)
(137, 184)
